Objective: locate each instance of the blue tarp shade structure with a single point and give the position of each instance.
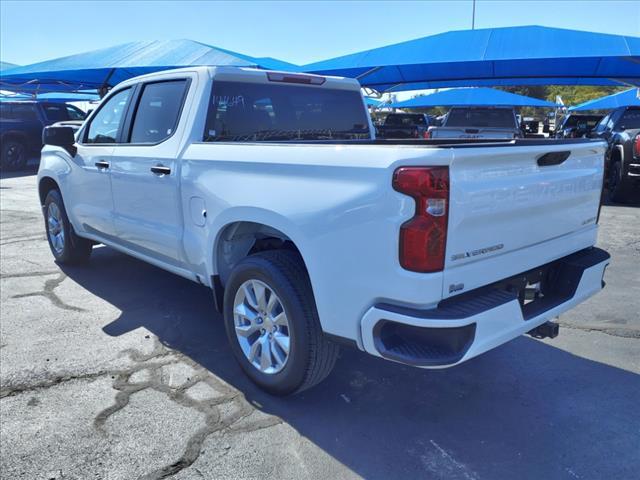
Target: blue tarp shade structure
(53, 97)
(628, 98)
(109, 66)
(528, 55)
(372, 102)
(473, 97)
(6, 66)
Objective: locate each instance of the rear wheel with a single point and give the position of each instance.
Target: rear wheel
(66, 246)
(273, 326)
(14, 154)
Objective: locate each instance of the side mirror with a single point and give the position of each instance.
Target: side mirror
(60, 137)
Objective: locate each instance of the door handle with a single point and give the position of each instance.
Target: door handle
(161, 170)
(553, 158)
(102, 165)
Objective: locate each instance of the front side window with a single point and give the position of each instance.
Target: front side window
(75, 113)
(255, 112)
(105, 124)
(158, 110)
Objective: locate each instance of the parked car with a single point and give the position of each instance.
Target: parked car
(530, 126)
(577, 125)
(479, 123)
(271, 189)
(404, 125)
(21, 124)
(621, 130)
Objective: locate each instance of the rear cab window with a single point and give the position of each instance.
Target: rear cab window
(405, 119)
(257, 112)
(481, 117)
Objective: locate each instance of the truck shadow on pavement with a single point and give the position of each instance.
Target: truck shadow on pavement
(525, 410)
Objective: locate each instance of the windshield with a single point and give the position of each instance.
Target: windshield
(405, 120)
(253, 112)
(481, 117)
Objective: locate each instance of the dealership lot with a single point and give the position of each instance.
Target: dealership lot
(120, 370)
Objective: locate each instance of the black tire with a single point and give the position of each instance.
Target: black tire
(14, 154)
(75, 249)
(311, 355)
(617, 184)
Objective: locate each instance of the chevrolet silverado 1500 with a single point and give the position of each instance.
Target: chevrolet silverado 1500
(271, 189)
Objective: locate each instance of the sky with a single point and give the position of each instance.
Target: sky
(295, 31)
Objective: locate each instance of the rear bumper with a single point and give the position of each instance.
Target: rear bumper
(466, 325)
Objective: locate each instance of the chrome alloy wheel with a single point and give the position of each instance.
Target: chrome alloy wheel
(261, 326)
(56, 230)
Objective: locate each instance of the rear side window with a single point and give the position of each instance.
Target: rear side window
(158, 110)
(481, 117)
(255, 112)
(630, 119)
(17, 111)
(106, 123)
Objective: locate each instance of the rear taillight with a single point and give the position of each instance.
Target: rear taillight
(423, 238)
(426, 135)
(636, 146)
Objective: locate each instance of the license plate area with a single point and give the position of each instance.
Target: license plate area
(535, 289)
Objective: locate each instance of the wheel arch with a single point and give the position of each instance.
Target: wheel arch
(240, 238)
(45, 185)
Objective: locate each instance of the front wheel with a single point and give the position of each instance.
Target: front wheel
(66, 246)
(272, 323)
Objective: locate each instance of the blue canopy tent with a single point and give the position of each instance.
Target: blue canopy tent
(6, 66)
(528, 55)
(473, 97)
(107, 67)
(628, 98)
(372, 102)
(53, 97)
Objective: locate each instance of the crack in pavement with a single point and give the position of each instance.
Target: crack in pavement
(49, 293)
(51, 382)
(32, 238)
(28, 274)
(214, 420)
(614, 332)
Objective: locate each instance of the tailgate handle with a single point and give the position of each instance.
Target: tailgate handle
(553, 158)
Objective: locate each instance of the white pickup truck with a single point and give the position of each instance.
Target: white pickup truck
(271, 189)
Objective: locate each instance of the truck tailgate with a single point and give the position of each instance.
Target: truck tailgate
(505, 200)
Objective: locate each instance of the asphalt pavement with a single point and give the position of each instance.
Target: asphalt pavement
(119, 370)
